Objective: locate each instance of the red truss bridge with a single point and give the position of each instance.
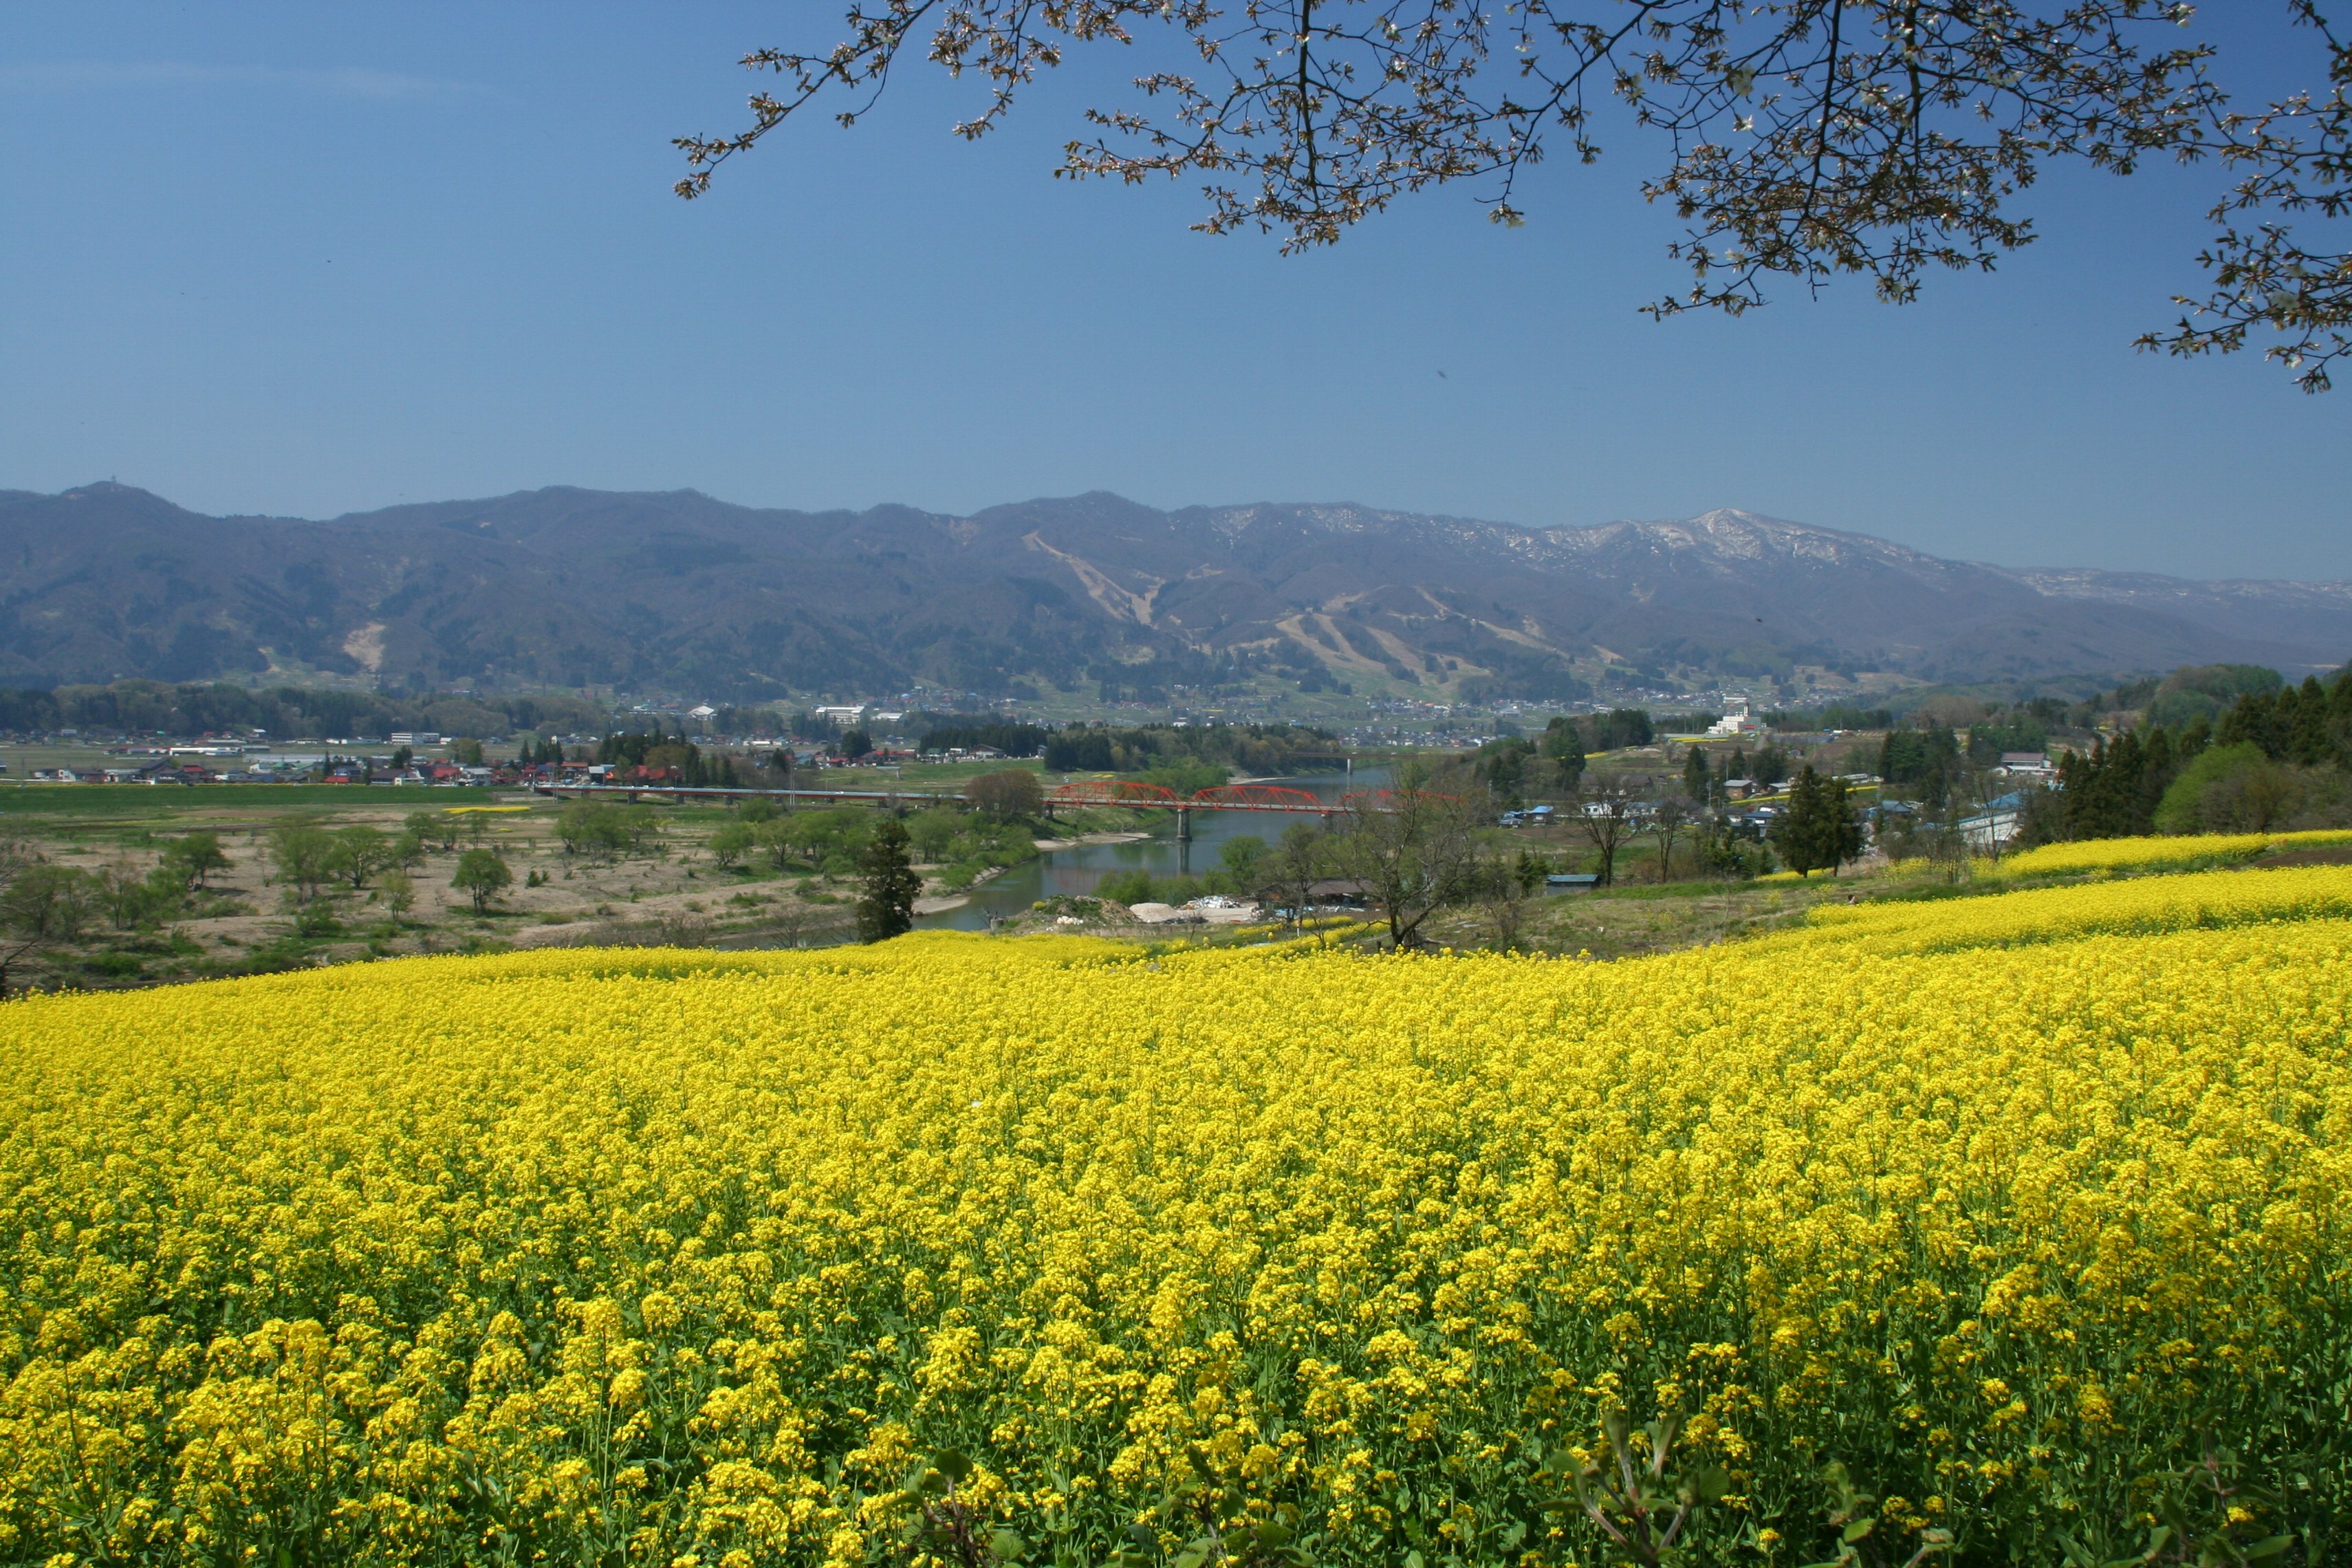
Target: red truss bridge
(1160, 797)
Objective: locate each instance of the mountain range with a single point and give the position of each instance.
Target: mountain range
(676, 591)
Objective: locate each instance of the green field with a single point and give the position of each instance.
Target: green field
(172, 800)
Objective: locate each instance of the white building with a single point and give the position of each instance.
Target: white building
(1736, 723)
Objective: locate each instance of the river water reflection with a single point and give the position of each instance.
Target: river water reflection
(1075, 873)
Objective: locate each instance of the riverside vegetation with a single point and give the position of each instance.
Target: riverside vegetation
(2009, 1230)
(109, 886)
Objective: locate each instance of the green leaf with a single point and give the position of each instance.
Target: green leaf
(1857, 1530)
(953, 1466)
(1272, 1536)
(1007, 1546)
(1413, 1559)
(2269, 1546)
(1709, 1483)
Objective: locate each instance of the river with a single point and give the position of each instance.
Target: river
(1075, 873)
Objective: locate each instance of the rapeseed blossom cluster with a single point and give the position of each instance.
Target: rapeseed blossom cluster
(685, 1259)
(2143, 904)
(2158, 853)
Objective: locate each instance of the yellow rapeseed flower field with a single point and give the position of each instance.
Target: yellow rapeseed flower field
(686, 1258)
(2143, 904)
(2158, 853)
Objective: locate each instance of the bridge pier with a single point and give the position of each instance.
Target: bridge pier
(1183, 825)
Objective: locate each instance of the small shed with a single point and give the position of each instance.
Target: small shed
(1571, 882)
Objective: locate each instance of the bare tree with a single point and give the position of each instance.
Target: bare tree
(2295, 160)
(1798, 139)
(26, 921)
(1510, 887)
(1415, 852)
(1668, 819)
(789, 922)
(1289, 871)
(1606, 808)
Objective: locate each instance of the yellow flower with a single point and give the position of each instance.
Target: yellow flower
(683, 1255)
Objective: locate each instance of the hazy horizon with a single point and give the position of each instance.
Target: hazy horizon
(1186, 506)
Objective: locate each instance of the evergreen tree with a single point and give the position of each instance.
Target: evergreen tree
(1925, 762)
(2157, 768)
(1843, 823)
(1563, 746)
(1818, 831)
(2103, 789)
(1797, 830)
(887, 906)
(1695, 773)
(2253, 718)
(2308, 743)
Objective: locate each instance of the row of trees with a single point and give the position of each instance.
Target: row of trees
(1431, 845)
(1012, 740)
(1423, 850)
(44, 904)
(309, 858)
(1147, 748)
(2273, 758)
(694, 768)
(1516, 767)
(148, 707)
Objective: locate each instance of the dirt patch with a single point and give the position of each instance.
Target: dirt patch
(2342, 856)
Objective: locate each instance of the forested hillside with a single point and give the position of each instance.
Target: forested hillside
(570, 588)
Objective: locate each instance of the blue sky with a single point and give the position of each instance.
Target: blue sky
(306, 259)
